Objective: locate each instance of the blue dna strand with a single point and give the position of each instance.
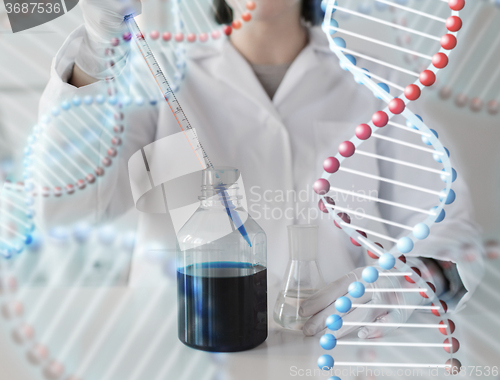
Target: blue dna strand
(417, 202)
(24, 316)
(16, 220)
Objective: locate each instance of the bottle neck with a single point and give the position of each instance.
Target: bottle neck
(220, 197)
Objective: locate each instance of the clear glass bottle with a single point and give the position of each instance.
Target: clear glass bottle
(221, 273)
(302, 276)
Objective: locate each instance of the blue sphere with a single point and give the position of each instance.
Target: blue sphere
(76, 101)
(404, 245)
(324, 3)
(81, 232)
(325, 362)
(334, 322)
(45, 119)
(351, 59)
(127, 100)
(88, 100)
(28, 239)
(450, 198)
(65, 105)
(328, 342)
(386, 261)
(340, 42)
(153, 101)
(439, 157)
(446, 178)
(441, 215)
(343, 304)
(334, 378)
(384, 87)
(55, 111)
(421, 231)
(356, 289)
(409, 124)
(99, 99)
(139, 101)
(370, 274)
(365, 9)
(333, 24)
(113, 100)
(426, 140)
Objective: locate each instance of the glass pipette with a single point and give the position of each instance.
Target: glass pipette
(179, 114)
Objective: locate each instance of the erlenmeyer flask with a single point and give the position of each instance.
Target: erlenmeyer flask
(302, 277)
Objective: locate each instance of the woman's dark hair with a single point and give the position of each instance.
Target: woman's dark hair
(311, 12)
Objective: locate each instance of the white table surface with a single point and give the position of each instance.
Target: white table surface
(144, 336)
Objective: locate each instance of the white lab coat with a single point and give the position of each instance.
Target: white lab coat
(279, 145)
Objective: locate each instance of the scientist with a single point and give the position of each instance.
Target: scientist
(271, 101)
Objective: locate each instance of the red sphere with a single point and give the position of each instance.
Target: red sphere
(99, 171)
(250, 5)
(412, 92)
(191, 37)
(57, 191)
(112, 152)
(461, 100)
(454, 23)
(70, 189)
(81, 184)
(179, 37)
(236, 24)
(433, 288)
(438, 312)
(321, 186)
(347, 149)
(454, 366)
(440, 60)
(90, 178)
(118, 128)
(353, 241)
(456, 5)
(363, 132)
(227, 30)
(167, 36)
(154, 35)
(116, 141)
(493, 107)
(331, 165)
(346, 218)
(215, 34)
(38, 354)
(374, 255)
(427, 78)
(448, 41)
(203, 37)
(450, 324)
(396, 106)
(322, 206)
(402, 258)
(476, 104)
(246, 16)
(409, 279)
(54, 370)
(380, 119)
(455, 345)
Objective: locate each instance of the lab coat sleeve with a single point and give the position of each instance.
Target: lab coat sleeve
(454, 241)
(110, 195)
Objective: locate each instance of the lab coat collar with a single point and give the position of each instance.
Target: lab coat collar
(231, 68)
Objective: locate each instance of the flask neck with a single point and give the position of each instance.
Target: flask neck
(303, 242)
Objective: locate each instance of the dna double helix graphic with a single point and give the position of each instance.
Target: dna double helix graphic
(419, 185)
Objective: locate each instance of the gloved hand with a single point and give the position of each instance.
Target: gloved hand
(322, 304)
(103, 22)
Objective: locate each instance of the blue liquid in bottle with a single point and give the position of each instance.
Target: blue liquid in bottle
(222, 306)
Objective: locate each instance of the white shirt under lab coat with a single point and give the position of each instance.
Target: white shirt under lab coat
(279, 146)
